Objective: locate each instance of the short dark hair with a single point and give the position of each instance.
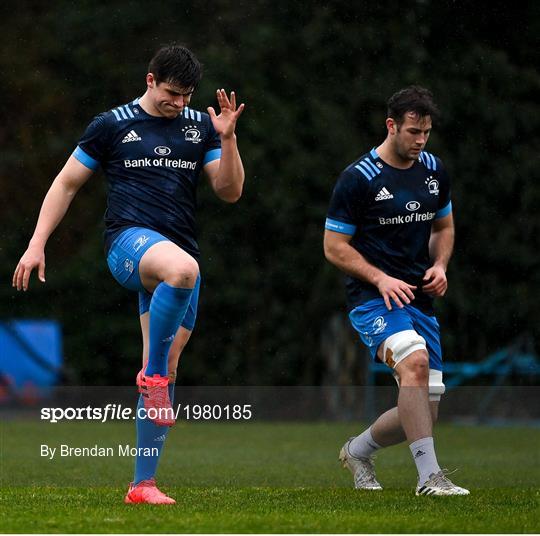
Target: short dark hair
(414, 99)
(175, 64)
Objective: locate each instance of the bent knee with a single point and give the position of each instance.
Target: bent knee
(414, 369)
(183, 275)
(405, 351)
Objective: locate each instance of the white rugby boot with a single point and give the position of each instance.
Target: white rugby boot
(440, 484)
(362, 469)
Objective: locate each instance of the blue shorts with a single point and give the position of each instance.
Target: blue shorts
(123, 259)
(375, 323)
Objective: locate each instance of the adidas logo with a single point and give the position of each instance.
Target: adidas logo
(418, 454)
(131, 136)
(384, 194)
(161, 438)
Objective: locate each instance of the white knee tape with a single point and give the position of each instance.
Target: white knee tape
(398, 346)
(436, 385)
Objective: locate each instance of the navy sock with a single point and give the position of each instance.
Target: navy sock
(149, 436)
(167, 310)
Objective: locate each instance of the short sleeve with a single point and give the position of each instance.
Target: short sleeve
(445, 202)
(345, 208)
(213, 144)
(93, 147)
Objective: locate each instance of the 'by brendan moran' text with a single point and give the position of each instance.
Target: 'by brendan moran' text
(95, 451)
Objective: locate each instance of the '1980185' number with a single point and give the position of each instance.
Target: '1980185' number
(207, 412)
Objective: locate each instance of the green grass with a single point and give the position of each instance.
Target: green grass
(266, 477)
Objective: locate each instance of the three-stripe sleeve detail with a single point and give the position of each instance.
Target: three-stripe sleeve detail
(367, 168)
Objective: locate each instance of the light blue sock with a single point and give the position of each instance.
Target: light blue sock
(167, 310)
(149, 436)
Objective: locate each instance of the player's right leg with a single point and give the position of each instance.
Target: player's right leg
(387, 429)
(374, 323)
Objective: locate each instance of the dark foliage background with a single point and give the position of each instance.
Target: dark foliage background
(315, 77)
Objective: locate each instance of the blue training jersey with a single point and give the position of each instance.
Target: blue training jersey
(152, 166)
(389, 213)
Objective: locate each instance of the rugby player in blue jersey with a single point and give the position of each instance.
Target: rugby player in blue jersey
(152, 151)
(390, 229)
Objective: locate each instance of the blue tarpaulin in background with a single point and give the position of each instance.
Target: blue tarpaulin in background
(30, 354)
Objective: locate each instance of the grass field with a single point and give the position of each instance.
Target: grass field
(266, 477)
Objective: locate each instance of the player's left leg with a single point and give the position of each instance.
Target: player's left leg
(436, 483)
(144, 260)
(374, 323)
(149, 435)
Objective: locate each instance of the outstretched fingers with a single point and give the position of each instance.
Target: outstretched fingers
(228, 103)
(238, 112)
(223, 99)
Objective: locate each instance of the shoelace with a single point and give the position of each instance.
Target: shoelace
(150, 483)
(367, 475)
(159, 396)
(366, 478)
(440, 479)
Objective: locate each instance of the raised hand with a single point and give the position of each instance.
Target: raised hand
(225, 122)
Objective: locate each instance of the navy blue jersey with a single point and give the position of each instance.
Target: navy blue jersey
(152, 165)
(389, 213)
